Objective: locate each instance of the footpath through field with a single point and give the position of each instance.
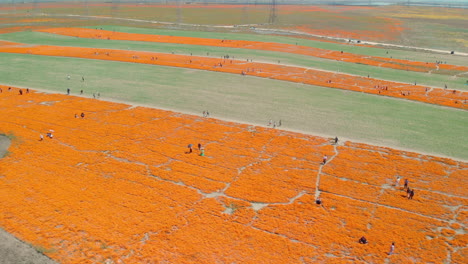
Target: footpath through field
(120, 185)
(444, 97)
(257, 45)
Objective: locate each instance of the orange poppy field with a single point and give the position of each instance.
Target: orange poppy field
(85, 180)
(120, 186)
(439, 96)
(257, 45)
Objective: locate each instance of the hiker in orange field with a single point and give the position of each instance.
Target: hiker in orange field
(363, 240)
(392, 248)
(397, 181)
(411, 194)
(406, 184)
(318, 201)
(324, 159)
(190, 148)
(199, 146)
(202, 151)
(82, 115)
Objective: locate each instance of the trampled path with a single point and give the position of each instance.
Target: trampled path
(118, 185)
(432, 95)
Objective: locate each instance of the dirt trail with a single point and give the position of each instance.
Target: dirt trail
(451, 98)
(257, 45)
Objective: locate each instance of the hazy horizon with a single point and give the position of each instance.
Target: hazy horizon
(454, 3)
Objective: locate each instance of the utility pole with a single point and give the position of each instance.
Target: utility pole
(179, 12)
(272, 18)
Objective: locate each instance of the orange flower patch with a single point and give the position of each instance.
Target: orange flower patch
(118, 186)
(256, 45)
(439, 96)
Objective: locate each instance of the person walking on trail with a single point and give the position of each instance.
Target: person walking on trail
(336, 140)
(408, 191)
(279, 123)
(82, 115)
(190, 148)
(199, 146)
(411, 194)
(68, 91)
(406, 184)
(41, 137)
(318, 201)
(392, 249)
(324, 159)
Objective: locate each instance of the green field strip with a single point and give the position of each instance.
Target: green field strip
(242, 54)
(324, 111)
(370, 51)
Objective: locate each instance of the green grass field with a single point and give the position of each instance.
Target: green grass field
(436, 80)
(324, 111)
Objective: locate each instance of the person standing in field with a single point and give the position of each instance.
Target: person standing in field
(392, 249)
(190, 148)
(397, 182)
(202, 151)
(68, 91)
(324, 159)
(336, 140)
(406, 184)
(411, 194)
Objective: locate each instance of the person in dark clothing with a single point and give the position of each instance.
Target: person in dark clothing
(190, 148)
(363, 240)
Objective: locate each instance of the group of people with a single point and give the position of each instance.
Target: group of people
(206, 113)
(274, 124)
(409, 192)
(200, 148)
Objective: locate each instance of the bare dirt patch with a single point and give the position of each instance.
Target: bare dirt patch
(4, 144)
(14, 251)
